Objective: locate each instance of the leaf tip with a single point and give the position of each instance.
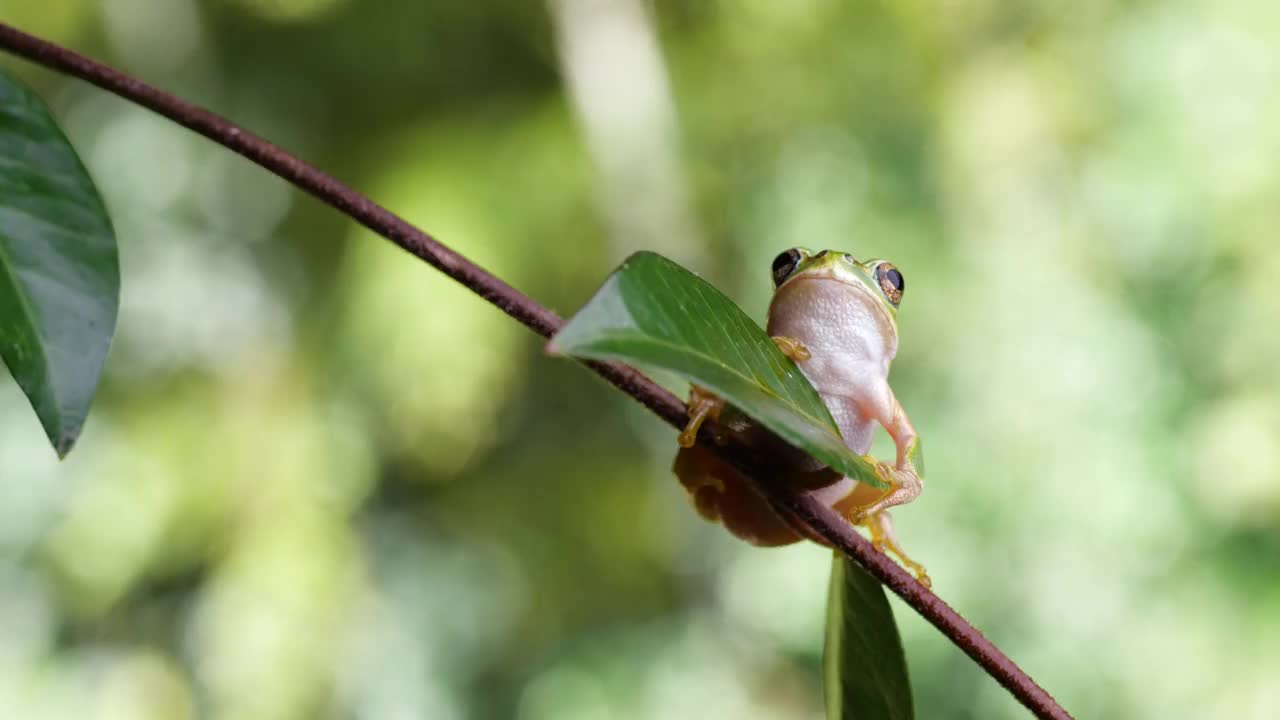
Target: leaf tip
(62, 430)
(63, 442)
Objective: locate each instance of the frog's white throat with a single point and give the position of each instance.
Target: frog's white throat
(849, 335)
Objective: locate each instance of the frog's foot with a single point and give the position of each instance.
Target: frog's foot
(703, 404)
(905, 485)
(883, 538)
(792, 348)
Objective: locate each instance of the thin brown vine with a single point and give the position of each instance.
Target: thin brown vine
(822, 519)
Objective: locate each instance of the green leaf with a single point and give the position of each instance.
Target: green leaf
(59, 274)
(864, 667)
(653, 312)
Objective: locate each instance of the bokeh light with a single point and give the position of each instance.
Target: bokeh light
(323, 480)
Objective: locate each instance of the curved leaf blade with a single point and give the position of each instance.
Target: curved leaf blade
(864, 666)
(653, 312)
(59, 271)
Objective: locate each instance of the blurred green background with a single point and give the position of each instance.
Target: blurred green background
(321, 480)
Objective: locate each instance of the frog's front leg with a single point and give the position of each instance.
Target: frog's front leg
(703, 404)
(792, 348)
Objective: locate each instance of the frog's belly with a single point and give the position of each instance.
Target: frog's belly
(845, 369)
(855, 427)
(849, 343)
(856, 431)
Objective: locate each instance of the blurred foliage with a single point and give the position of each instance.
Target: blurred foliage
(323, 481)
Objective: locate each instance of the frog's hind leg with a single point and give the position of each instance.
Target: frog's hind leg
(905, 485)
(883, 538)
(703, 404)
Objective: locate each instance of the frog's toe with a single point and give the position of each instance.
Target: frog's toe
(883, 539)
(689, 436)
(904, 486)
(792, 348)
(703, 404)
(922, 577)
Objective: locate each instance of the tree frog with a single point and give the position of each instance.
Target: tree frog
(836, 318)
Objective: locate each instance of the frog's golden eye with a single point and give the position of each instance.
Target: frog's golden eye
(785, 264)
(891, 282)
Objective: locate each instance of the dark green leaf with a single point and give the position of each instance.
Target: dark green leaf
(653, 312)
(59, 274)
(864, 668)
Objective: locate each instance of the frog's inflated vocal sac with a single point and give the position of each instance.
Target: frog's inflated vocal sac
(837, 319)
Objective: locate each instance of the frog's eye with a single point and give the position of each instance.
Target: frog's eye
(785, 264)
(891, 282)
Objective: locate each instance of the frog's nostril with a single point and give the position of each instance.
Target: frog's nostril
(821, 254)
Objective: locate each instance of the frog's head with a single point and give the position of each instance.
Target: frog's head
(878, 278)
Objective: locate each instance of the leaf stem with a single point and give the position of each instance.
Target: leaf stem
(822, 519)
